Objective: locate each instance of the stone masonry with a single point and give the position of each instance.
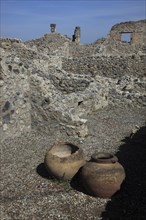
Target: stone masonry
(76, 36)
(15, 92)
(50, 81)
(136, 29)
(53, 28)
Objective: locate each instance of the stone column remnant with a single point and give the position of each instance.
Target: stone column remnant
(77, 35)
(53, 28)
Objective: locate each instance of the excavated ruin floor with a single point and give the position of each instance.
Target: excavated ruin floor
(28, 193)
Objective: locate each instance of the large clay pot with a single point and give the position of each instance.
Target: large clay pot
(64, 160)
(103, 175)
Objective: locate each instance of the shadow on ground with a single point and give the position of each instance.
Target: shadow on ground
(130, 202)
(75, 182)
(41, 170)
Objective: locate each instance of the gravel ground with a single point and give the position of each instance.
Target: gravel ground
(28, 193)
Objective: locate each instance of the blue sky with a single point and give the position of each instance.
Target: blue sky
(30, 19)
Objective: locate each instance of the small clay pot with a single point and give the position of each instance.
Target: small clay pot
(103, 175)
(63, 160)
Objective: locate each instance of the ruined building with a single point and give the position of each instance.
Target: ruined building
(134, 31)
(77, 35)
(52, 80)
(53, 28)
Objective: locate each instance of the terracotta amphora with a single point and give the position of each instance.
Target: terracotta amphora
(63, 160)
(103, 175)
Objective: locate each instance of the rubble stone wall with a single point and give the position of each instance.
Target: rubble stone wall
(109, 66)
(137, 31)
(126, 75)
(52, 82)
(37, 92)
(15, 96)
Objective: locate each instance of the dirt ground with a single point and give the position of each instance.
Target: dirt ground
(28, 193)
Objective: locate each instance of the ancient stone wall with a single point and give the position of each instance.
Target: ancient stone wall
(109, 66)
(66, 99)
(15, 94)
(52, 82)
(61, 45)
(137, 40)
(18, 64)
(126, 75)
(49, 44)
(38, 93)
(77, 35)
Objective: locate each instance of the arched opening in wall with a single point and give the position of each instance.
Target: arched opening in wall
(126, 37)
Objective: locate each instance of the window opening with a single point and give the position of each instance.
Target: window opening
(126, 37)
